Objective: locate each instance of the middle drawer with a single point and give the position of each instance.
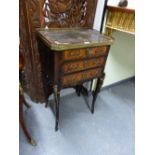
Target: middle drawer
(70, 67)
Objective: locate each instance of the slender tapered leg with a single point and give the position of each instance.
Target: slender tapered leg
(22, 123)
(57, 101)
(97, 90)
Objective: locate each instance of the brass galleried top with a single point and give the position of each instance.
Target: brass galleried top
(62, 39)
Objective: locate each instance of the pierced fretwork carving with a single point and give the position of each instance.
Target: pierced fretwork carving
(65, 13)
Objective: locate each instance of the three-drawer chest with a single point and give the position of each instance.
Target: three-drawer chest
(71, 57)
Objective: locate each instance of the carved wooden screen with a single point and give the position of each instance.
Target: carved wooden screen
(53, 14)
(62, 13)
(69, 13)
(29, 18)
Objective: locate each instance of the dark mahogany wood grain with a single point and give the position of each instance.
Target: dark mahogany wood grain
(82, 65)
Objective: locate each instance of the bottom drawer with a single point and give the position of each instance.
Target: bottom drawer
(74, 79)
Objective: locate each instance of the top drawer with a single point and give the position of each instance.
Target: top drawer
(84, 53)
(74, 54)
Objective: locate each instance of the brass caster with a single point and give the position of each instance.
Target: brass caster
(92, 111)
(33, 142)
(56, 127)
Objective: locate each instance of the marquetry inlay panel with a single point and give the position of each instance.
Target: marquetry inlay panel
(74, 54)
(81, 76)
(82, 65)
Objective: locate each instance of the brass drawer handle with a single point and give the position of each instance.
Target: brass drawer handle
(96, 62)
(74, 53)
(92, 63)
(89, 51)
(73, 66)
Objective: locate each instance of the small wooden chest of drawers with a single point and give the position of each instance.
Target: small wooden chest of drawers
(82, 64)
(71, 57)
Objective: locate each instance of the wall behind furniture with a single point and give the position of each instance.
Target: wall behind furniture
(121, 59)
(98, 14)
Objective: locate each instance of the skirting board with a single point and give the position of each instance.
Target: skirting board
(116, 83)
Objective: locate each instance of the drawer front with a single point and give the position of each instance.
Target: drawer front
(84, 53)
(82, 65)
(74, 54)
(75, 78)
(97, 51)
